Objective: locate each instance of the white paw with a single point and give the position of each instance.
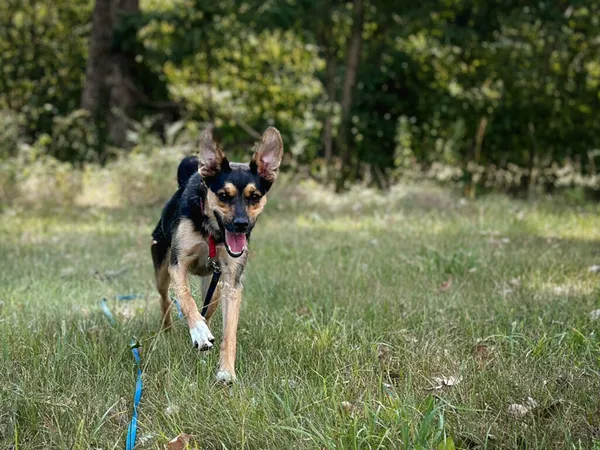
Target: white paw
(202, 338)
(225, 377)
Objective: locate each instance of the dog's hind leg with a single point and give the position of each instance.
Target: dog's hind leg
(160, 258)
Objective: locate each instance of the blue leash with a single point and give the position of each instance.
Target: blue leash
(179, 311)
(132, 429)
(134, 345)
(107, 312)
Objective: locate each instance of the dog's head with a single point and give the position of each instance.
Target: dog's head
(237, 192)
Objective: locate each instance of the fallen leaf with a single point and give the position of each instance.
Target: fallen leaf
(506, 291)
(498, 242)
(171, 409)
(517, 410)
(445, 285)
(67, 271)
(384, 353)
(146, 438)
(515, 282)
(482, 352)
(347, 407)
(595, 314)
(594, 269)
(520, 410)
(180, 442)
(303, 311)
(126, 312)
(114, 273)
(442, 382)
(289, 383)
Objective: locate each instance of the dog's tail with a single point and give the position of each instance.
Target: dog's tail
(187, 167)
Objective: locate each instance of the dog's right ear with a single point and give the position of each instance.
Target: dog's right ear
(212, 159)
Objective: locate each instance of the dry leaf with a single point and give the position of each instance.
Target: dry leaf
(171, 409)
(67, 271)
(482, 352)
(445, 285)
(303, 311)
(595, 314)
(384, 353)
(442, 382)
(114, 273)
(180, 442)
(520, 410)
(594, 269)
(515, 282)
(347, 407)
(146, 438)
(498, 242)
(289, 383)
(126, 312)
(506, 291)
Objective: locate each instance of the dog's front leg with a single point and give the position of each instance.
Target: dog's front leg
(202, 338)
(231, 301)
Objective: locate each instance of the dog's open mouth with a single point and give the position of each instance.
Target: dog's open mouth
(235, 242)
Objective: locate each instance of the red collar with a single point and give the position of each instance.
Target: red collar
(212, 248)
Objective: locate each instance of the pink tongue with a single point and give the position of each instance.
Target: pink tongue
(235, 241)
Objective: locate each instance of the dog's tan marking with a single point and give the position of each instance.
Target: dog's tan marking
(255, 209)
(225, 209)
(249, 190)
(191, 247)
(229, 189)
(231, 300)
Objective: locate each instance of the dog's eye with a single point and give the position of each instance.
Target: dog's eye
(255, 197)
(223, 196)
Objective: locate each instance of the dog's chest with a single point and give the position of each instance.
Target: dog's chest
(201, 267)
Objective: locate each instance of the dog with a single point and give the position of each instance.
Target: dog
(213, 213)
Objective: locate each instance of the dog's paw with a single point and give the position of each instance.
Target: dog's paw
(225, 377)
(202, 338)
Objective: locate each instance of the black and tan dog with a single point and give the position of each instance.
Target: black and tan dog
(217, 204)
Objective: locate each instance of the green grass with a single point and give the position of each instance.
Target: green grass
(343, 303)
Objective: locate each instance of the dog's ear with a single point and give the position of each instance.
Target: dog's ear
(212, 159)
(267, 155)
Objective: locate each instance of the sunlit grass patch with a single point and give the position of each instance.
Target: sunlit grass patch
(350, 319)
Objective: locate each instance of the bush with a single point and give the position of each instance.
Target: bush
(36, 179)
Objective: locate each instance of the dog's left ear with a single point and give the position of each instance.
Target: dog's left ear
(267, 155)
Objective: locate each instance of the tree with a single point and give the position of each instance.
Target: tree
(110, 92)
(352, 58)
(98, 62)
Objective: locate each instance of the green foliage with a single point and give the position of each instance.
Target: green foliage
(484, 86)
(43, 50)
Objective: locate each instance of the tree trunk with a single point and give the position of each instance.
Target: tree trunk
(351, 67)
(98, 66)
(331, 69)
(123, 93)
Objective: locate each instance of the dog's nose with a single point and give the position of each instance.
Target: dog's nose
(240, 224)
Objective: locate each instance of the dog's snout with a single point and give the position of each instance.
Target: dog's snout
(240, 224)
